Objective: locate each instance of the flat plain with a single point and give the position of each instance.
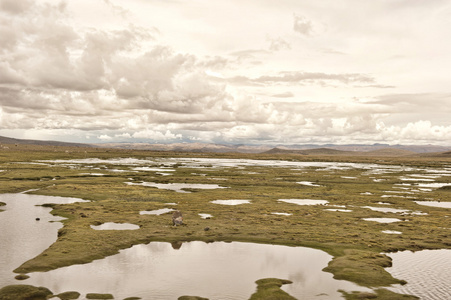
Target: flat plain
(122, 184)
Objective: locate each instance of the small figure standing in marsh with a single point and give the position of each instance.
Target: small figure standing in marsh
(177, 218)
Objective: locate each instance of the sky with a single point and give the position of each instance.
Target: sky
(226, 71)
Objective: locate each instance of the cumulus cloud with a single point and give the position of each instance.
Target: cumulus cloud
(302, 25)
(307, 78)
(125, 80)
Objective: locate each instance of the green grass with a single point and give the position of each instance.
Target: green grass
(355, 244)
(269, 289)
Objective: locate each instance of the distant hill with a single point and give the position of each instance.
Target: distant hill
(331, 151)
(301, 149)
(315, 151)
(12, 141)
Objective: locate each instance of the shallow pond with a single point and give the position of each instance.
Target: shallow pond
(215, 270)
(156, 270)
(443, 204)
(179, 187)
(427, 272)
(115, 226)
(304, 201)
(156, 212)
(387, 209)
(22, 236)
(231, 202)
(383, 220)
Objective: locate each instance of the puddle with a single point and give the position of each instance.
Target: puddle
(391, 232)
(217, 270)
(115, 226)
(304, 201)
(443, 204)
(92, 174)
(281, 214)
(383, 220)
(149, 169)
(22, 236)
(205, 216)
(432, 185)
(339, 209)
(231, 202)
(156, 212)
(309, 183)
(415, 179)
(427, 273)
(387, 209)
(179, 187)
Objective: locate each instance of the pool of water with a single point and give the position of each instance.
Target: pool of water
(156, 212)
(215, 271)
(115, 226)
(22, 236)
(383, 220)
(179, 187)
(427, 272)
(443, 204)
(231, 202)
(308, 183)
(304, 201)
(387, 209)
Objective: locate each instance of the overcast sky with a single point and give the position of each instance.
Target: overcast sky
(226, 71)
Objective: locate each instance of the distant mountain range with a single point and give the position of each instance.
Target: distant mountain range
(310, 149)
(12, 141)
(307, 149)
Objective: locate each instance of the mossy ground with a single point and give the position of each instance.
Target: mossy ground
(355, 244)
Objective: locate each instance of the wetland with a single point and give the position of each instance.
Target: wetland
(120, 202)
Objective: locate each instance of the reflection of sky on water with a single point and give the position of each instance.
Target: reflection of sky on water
(383, 220)
(443, 204)
(215, 270)
(304, 201)
(179, 187)
(22, 236)
(427, 272)
(115, 226)
(156, 212)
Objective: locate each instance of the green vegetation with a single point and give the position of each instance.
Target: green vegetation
(24, 292)
(269, 288)
(356, 244)
(71, 295)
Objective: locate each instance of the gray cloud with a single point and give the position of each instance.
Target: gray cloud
(128, 79)
(302, 25)
(303, 77)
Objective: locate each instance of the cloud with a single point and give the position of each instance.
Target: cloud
(134, 77)
(277, 44)
(156, 135)
(105, 137)
(284, 95)
(308, 78)
(302, 25)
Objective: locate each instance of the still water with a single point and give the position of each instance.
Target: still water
(427, 272)
(22, 236)
(157, 270)
(216, 271)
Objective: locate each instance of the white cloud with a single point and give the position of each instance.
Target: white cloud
(302, 25)
(156, 135)
(133, 73)
(105, 137)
